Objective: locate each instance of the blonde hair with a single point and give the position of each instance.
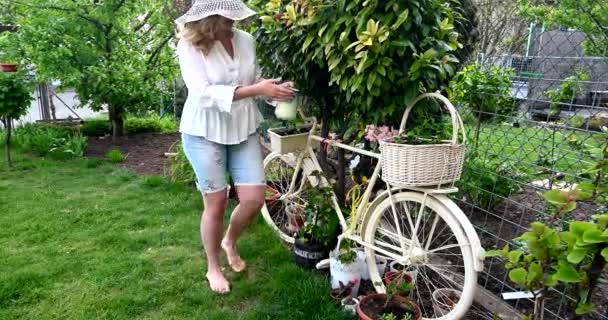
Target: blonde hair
(202, 33)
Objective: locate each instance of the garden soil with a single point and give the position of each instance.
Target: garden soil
(144, 153)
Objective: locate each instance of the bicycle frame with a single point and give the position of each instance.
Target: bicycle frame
(350, 230)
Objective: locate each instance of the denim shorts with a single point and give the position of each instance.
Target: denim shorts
(213, 161)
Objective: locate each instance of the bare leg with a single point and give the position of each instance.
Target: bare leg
(212, 227)
(251, 200)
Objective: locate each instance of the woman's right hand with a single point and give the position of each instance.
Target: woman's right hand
(277, 92)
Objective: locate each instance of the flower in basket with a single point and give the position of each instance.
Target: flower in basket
(375, 134)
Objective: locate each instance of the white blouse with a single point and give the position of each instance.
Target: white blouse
(210, 110)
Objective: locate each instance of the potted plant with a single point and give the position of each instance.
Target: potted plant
(396, 268)
(319, 233)
(293, 134)
(390, 305)
(398, 278)
(9, 55)
(343, 265)
(444, 300)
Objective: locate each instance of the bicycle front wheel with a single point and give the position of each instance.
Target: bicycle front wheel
(424, 238)
(283, 211)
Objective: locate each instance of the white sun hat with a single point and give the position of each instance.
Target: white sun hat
(232, 9)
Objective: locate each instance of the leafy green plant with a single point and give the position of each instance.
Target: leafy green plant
(179, 169)
(569, 90)
(15, 97)
(321, 224)
(58, 142)
(486, 181)
(70, 147)
(11, 50)
(346, 252)
(388, 316)
(484, 90)
(575, 257)
(133, 125)
(577, 121)
(115, 156)
(96, 128)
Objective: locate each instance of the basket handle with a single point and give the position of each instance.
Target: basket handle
(456, 120)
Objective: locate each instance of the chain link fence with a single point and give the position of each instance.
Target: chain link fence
(559, 98)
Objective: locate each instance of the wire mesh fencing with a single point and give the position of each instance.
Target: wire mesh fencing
(559, 104)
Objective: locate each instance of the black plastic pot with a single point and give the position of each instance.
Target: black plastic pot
(307, 254)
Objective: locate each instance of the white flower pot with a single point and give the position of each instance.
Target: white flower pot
(381, 264)
(344, 273)
(440, 305)
(350, 304)
(283, 144)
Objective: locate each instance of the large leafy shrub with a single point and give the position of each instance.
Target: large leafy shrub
(361, 61)
(484, 90)
(57, 142)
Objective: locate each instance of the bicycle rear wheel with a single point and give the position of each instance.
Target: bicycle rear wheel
(421, 234)
(283, 211)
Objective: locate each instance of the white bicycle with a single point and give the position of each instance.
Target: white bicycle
(419, 227)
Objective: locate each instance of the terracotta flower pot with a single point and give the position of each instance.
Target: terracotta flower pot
(390, 276)
(379, 299)
(8, 67)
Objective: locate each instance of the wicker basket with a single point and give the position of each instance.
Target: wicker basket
(425, 165)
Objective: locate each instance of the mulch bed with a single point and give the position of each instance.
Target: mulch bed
(144, 153)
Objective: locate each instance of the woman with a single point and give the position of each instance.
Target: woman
(219, 123)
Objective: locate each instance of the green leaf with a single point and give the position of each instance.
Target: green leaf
(381, 70)
(605, 254)
(584, 308)
(594, 236)
(535, 272)
(578, 228)
(515, 256)
(569, 207)
(556, 197)
(307, 42)
(566, 273)
(577, 255)
(518, 276)
(493, 253)
(551, 281)
(371, 78)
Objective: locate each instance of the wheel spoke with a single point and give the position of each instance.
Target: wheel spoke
(437, 250)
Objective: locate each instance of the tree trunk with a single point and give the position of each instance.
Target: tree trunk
(595, 272)
(341, 179)
(324, 133)
(7, 145)
(117, 121)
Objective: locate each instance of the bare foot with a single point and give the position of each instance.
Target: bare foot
(234, 260)
(218, 283)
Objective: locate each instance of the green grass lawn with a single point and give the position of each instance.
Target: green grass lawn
(527, 147)
(85, 240)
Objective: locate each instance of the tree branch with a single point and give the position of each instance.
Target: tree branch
(594, 18)
(143, 23)
(97, 23)
(119, 5)
(157, 50)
